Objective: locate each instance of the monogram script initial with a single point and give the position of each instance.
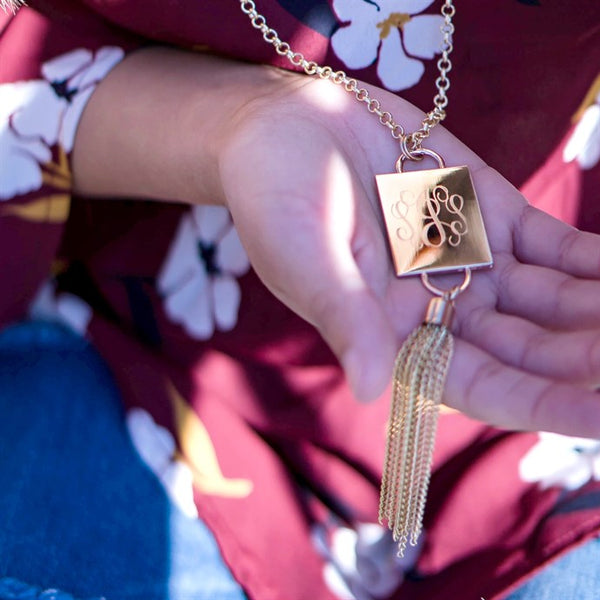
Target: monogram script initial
(442, 220)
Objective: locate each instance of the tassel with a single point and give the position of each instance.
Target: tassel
(419, 377)
(13, 5)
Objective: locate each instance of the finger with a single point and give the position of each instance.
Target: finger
(343, 306)
(548, 297)
(543, 240)
(566, 356)
(323, 284)
(358, 332)
(484, 388)
(300, 228)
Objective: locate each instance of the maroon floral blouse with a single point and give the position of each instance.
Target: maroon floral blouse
(232, 400)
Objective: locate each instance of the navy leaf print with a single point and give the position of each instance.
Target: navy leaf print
(315, 14)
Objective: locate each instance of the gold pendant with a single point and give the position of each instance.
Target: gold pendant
(433, 220)
(434, 225)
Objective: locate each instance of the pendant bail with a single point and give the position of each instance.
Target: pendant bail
(452, 293)
(440, 310)
(416, 154)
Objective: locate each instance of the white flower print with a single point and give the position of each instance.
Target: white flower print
(198, 278)
(157, 449)
(362, 563)
(392, 30)
(584, 144)
(64, 308)
(35, 115)
(560, 460)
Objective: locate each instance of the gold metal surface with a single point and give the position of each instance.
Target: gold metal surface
(419, 376)
(440, 312)
(433, 221)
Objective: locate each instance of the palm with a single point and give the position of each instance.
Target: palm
(299, 182)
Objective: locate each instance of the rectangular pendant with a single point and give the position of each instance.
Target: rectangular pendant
(433, 221)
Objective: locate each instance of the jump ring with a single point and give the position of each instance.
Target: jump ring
(453, 292)
(418, 154)
(410, 153)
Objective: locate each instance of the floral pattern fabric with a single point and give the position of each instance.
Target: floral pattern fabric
(562, 461)
(157, 449)
(233, 401)
(391, 33)
(36, 115)
(198, 278)
(13, 589)
(584, 144)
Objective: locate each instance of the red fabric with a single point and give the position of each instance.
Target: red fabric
(269, 393)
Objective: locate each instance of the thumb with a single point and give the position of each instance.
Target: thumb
(365, 345)
(352, 321)
(319, 279)
(304, 255)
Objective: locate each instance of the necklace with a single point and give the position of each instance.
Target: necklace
(434, 225)
(13, 5)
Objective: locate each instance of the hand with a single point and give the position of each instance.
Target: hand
(298, 176)
(294, 159)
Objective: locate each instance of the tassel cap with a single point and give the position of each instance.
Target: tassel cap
(440, 312)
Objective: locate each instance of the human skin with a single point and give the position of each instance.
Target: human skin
(294, 159)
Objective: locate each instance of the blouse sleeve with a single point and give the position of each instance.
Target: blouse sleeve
(50, 64)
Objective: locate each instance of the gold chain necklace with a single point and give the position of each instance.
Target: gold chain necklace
(409, 142)
(13, 5)
(434, 225)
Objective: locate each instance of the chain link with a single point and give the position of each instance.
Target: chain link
(440, 100)
(410, 143)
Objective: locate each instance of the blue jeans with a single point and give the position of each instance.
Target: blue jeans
(78, 509)
(575, 576)
(80, 512)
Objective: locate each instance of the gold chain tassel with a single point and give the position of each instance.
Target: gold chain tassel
(419, 377)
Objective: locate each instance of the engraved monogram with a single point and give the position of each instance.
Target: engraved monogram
(433, 221)
(443, 220)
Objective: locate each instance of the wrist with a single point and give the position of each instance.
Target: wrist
(213, 117)
(155, 126)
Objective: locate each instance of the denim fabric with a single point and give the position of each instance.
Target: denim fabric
(13, 589)
(575, 576)
(79, 510)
